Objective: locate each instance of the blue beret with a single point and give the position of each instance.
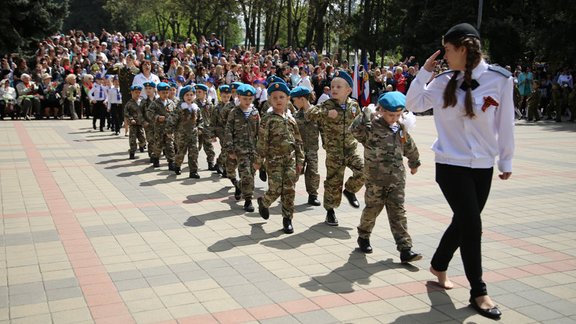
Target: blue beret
(299, 91)
(278, 86)
(135, 87)
(274, 79)
(236, 85)
(202, 87)
(173, 85)
(180, 79)
(163, 86)
(246, 90)
(344, 75)
(185, 90)
(225, 88)
(98, 76)
(393, 101)
(149, 84)
(211, 80)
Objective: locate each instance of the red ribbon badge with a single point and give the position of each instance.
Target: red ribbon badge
(489, 101)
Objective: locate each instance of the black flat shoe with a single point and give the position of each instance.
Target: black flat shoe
(493, 313)
(287, 226)
(408, 256)
(263, 211)
(331, 218)
(351, 198)
(364, 245)
(313, 200)
(248, 205)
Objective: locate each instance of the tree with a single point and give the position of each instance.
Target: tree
(89, 15)
(24, 22)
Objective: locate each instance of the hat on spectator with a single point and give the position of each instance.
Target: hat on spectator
(185, 90)
(299, 91)
(135, 87)
(180, 79)
(202, 87)
(246, 90)
(344, 75)
(211, 80)
(46, 76)
(393, 101)
(225, 88)
(98, 76)
(163, 86)
(236, 85)
(278, 86)
(457, 32)
(149, 84)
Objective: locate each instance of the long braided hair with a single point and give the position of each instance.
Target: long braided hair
(473, 57)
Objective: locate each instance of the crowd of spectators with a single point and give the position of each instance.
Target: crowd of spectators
(56, 81)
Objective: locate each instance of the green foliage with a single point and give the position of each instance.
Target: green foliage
(88, 15)
(24, 22)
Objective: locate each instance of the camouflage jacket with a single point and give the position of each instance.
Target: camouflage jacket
(225, 111)
(336, 137)
(217, 121)
(384, 150)
(132, 112)
(158, 108)
(144, 103)
(533, 101)
(308, 130)
(241, 134)
(279, 138)
(184, 120)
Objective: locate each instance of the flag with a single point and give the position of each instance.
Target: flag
(355, 76)
(365, 85)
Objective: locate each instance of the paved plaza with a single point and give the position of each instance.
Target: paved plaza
(89, 236)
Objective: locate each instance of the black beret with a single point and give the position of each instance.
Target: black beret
(454, 34)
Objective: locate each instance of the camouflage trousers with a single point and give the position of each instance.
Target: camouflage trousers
(246, 172)
(231, 166)
(221, 160)
(206, 143)
(282, 179)
(391, 196)
(311, 175)
(163, 141)
(136, 133)
(335, 167)
(149, 130)
(187, 143)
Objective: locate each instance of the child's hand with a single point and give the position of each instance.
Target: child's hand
(256, 166)
(413, 170)
(332, 113)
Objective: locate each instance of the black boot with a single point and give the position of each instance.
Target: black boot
(211, 166)
(151, 160)
(248, 205)
(407, 256)
(331, 218)
(264, 212)
(364, 245)
(224, 174)
(171, 165)
(313, 200)
(177, 170)
(218, 168)
(132, 155)
(287, 225)
(351, 198)
(237, 190)
(262, 174)
(194, 175)
(156, 162)
(142, 149)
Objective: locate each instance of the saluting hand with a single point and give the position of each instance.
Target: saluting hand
(431, 62)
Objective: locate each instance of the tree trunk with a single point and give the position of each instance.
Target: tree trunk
(259, 27)
(310, 20)
(319, 24)
(289, 21)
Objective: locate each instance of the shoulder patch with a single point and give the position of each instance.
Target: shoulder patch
(443, 73)
(500, 70)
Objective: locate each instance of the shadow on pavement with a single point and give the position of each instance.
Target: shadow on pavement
(309, 235)
(256, 235)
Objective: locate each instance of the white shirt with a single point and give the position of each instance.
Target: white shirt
(305, 82)
(463, 141)
(323, 98)
(98, 92)
(113, 96)
(140, 78)
(212, 96)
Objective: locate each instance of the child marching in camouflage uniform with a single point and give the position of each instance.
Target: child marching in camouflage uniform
(133, 115)
(309, 131)
(241, 137)
(334, 116)
(386, 142)
(231, 164)
(183, 123)
(157, 112)
(205, 136)
(150, 92)
(280, 149)
(217, 122)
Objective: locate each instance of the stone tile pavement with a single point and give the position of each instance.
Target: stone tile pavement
(90, 236)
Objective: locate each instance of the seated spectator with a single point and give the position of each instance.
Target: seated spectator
(28, 97)
(7, 100)
(50, 100)
(71, 96)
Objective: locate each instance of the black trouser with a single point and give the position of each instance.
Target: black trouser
(99, 111)
(117, 115)
(466, 191)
